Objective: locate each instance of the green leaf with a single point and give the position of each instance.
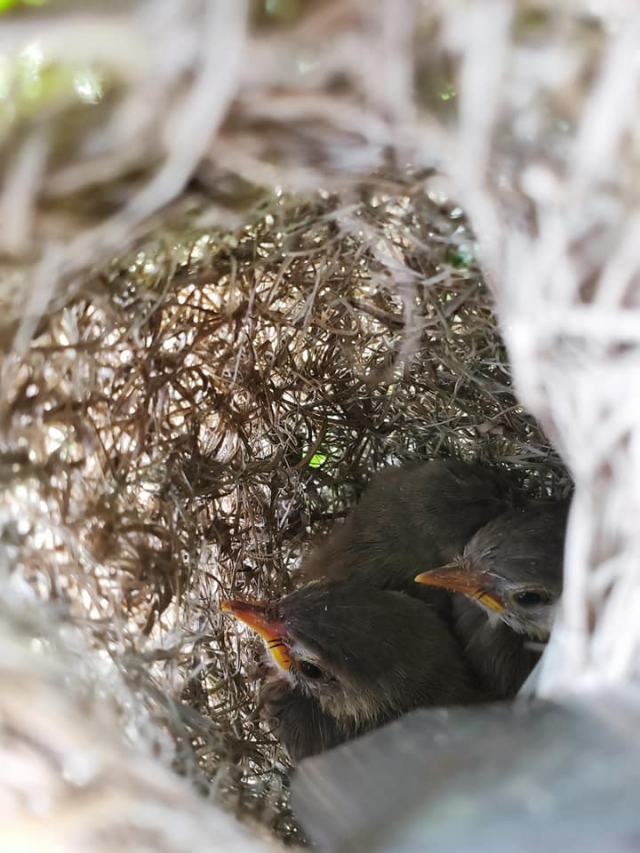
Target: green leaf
(6, 5)
(461, 258)
(317, 460)
(448, 93)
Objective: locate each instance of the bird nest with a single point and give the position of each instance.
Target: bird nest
(211, 401)
(193, 392)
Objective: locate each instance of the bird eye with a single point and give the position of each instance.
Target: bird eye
(310, 670)
(531, 598)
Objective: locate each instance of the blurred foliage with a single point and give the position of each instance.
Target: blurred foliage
(7, 5)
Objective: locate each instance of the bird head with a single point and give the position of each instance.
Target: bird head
(362, 653)
(512, 568)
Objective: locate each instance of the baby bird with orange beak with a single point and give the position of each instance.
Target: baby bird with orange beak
(347, 658)
(510, 577)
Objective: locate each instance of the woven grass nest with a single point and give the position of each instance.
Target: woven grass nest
(210, 347)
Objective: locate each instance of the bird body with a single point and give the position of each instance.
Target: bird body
(500, 658)
(509, 580)
(361, 643)
(417, 519)
(298, 721)
(348, 658)
(411, 519)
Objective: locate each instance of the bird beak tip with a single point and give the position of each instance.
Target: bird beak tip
(444, 576)
(244, 610)
(257, 617)
(457, 579)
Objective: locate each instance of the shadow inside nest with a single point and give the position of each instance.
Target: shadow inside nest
(214, 401)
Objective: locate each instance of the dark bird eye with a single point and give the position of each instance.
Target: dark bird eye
(310, 670)
(530, 598)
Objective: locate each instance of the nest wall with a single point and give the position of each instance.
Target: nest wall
(216, 402)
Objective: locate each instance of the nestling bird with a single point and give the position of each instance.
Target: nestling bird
(422, 516)
(347, 658)
(411, 519)
(510, 574)
(299, 722)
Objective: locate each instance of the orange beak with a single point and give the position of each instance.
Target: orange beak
(457, 579)
(260, 619)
